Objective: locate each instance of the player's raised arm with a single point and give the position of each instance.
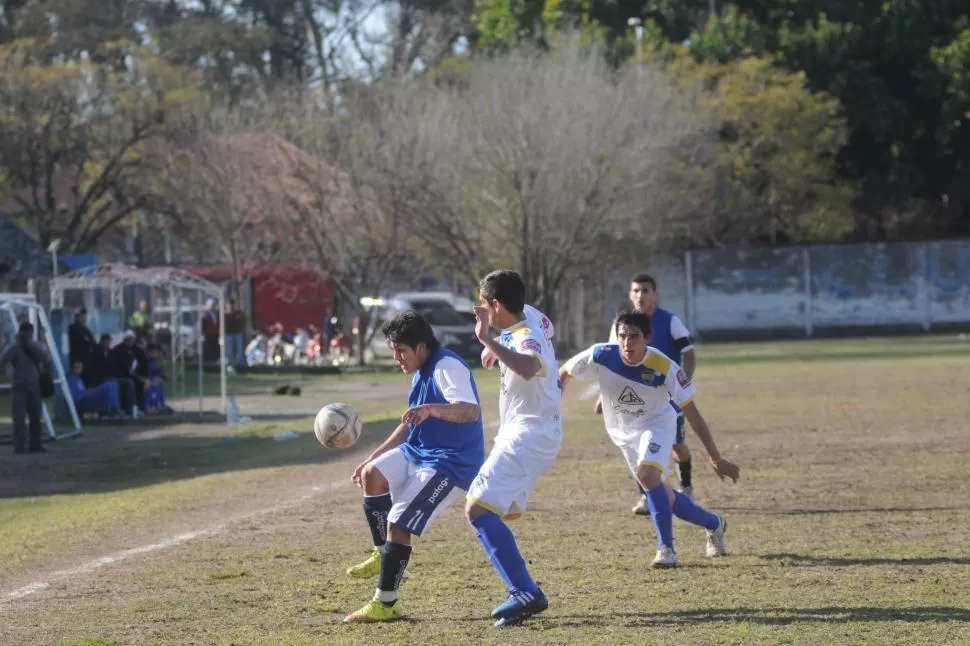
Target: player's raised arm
(523, 362)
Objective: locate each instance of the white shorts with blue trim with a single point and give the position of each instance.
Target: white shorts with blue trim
(506, 480)
(418, 494)
(654, 447)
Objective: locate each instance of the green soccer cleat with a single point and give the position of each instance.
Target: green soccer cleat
(370, 567)
(375, 611)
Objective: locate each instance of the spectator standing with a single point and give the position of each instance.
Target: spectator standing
(81, 344)
(141, 320)
(235, 334)
(28, 359)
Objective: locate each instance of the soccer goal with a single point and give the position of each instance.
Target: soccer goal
(16, 308)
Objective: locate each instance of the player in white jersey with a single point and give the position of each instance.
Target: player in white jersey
(637, 383)
(528, 439)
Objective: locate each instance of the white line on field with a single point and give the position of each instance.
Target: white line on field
(172, 541)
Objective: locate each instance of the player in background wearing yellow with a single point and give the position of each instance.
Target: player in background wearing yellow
(528, 439)
(671, 337)
(637, 383)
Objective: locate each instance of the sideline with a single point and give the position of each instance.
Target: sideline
(173, 541)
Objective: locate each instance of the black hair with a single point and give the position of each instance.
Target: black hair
(26, 331)
(506, 287)
(410, 329)
(105, 337)
(643, 278)
(635, 319)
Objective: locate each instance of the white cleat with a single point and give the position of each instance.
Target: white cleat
(642, 508)
(666, 558)
(715, 539)
(687, 491)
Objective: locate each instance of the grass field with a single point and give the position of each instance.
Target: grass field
(849, 524)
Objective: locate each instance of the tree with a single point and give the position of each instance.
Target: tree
(769, 173)
(333, 206)
(561, 163)
(222, 186)
(74, 134)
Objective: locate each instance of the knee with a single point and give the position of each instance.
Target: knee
(648, 476)
(373, 480)
(473, 512)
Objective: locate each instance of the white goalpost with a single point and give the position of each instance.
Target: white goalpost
(12, 307)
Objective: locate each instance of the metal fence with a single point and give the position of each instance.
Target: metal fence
(806, 290)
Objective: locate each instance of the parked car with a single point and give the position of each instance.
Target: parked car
(453, 329)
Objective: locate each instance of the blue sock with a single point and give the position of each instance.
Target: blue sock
(375, 510)
(687, 509)
(663, 519)
(499, 545)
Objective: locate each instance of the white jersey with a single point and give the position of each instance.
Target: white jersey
(634, 396)
(529, 408)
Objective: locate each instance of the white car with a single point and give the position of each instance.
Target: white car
(453, 328)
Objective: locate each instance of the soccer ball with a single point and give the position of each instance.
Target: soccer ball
(337, 426)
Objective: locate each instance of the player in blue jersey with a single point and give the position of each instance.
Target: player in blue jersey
(528, 439)
(671, 337)
(425, 465)
(637, 383)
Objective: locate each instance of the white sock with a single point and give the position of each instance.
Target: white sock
(386, 596)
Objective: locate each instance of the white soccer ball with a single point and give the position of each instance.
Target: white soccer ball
(337, 426)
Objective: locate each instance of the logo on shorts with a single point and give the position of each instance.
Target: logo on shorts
(653, 447)
(437, 491)
(629, 397)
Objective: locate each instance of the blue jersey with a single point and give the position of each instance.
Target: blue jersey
(660, 336)
(456, 449)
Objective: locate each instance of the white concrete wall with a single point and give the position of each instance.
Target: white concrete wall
(811, 287)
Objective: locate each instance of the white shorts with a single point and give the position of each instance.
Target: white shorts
(506, 480)
(418, 494)
(653, 448)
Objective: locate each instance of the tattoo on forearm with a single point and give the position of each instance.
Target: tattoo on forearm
(459, 412)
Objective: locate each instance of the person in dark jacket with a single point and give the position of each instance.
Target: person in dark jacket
(28, 358)
(124, 362)
(100, 369)
(80, 343)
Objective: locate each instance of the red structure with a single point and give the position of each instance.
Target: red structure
(294, 295)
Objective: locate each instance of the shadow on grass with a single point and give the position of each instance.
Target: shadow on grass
(113, 459)
(769, 616)
(845, 561)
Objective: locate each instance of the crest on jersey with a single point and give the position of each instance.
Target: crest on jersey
(653, 447)
(653, 378)
(629, 397)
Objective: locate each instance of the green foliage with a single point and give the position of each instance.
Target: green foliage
(898, 67)
(771, 177)
(74, 132)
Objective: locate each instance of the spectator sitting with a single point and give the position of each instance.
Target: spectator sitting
(100, 368)
(104, 399)
(155, 390)
(125, 368)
